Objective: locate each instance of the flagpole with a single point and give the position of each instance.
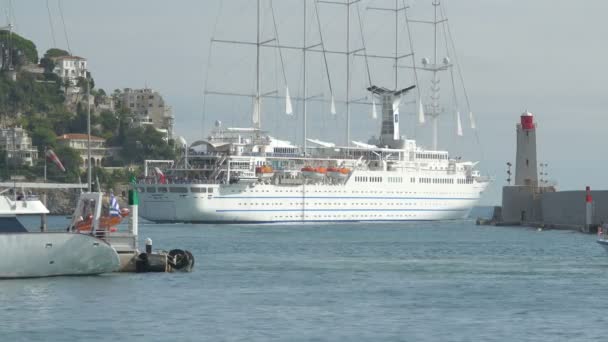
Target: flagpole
(89, 171)
(45, 147)
(43, 220)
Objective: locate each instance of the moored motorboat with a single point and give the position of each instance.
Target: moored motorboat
(25, 254)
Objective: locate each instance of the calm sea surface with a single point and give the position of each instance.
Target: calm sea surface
(343, 282)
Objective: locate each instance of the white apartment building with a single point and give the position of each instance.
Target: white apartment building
(18, 146)
(70, 68)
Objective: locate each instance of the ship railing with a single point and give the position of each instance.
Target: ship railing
(484, 179)
(177, 181)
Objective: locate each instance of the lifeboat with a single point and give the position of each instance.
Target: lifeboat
(105, 222)
(338, 172)
(314, 172)
(264, 171)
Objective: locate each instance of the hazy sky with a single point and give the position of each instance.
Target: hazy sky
(540, 55)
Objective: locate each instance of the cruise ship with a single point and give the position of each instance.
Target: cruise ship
(246, 175)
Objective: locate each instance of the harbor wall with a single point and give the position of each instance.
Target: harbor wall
(525, 204)
(568, 207)
(521, 204)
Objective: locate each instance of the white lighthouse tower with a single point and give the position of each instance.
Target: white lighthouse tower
(525, 163)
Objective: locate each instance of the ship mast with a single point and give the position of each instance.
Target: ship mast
(305, 94)
(348, 54)
(89, 169)
(396, 43)
(257, 110)
(435, 87)
(348, 73)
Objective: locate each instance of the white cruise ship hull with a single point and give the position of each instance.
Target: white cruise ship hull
(29, 255)
(238, 203)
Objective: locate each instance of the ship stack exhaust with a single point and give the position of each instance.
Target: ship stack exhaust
(390, 99)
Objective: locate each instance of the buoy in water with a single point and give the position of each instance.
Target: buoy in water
(180, 260)
(176, 260)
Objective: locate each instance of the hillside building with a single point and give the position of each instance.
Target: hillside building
(18, 146)
(79, 142)
(149, 108)
(70, 68)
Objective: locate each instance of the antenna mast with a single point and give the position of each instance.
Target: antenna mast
(435, 67)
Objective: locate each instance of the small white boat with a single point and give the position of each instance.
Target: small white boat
(602, 236)
(26, 254)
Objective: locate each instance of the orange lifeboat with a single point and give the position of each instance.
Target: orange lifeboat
(264, 171)
(338, 172)
(314, 172)
(105, 222)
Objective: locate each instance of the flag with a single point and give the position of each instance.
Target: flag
(458, 124)
(374, 111)
(114, 207)
(288, 107)
(396, 103)
(420, 111)
(50, 155)
(160, 175)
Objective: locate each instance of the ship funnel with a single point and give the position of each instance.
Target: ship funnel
(390, 99)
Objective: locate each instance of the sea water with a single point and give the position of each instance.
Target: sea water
(448, 281)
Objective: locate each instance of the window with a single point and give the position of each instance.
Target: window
(151, 189)
(163, 189)
(180, 190)
(140, 189)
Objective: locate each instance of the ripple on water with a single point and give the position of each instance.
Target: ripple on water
(358, 282)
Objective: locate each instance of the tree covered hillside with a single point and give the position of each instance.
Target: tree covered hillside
(40, 103)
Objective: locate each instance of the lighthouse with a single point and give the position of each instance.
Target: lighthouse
(525, 167)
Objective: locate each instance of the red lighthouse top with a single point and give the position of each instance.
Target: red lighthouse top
(527, 120)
